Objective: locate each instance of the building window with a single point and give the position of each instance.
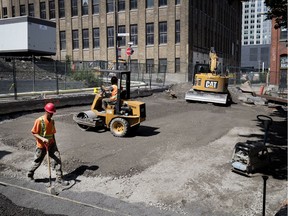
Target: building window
(13, 11)
(162, 32)
(61, 8)
(75, 39)
(177, 31)
(74, 8)
(149, 3)
(62, 40)
(149, 33)
(134, 34)
(85, 38)
(283, 34)
(162, 3)
(121, 5)
(110, 6)
(162, 65)
(42, 10)
(149, 65)
(31, 10)
(51, 9)
(95, 7)
(110, 36)
(84, 7)
(96, 38)
(122, 42)
(284, 62)
(22, 10)
(133, 4)
(4, 12)
(177, 2)
(177, 65)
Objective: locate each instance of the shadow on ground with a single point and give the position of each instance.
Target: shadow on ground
(275, 156)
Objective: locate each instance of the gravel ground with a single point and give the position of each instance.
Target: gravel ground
(175, 165)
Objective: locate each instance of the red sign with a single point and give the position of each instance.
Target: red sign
(129, 51)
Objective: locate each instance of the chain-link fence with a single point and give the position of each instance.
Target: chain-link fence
(239, 75)
(18, 75)
(28, 74)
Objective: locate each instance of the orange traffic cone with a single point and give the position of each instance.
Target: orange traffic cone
(261, 89)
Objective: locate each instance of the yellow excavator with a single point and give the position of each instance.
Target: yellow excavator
(209, 86)
(121, 117)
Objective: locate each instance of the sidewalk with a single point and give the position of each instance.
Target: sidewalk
(32, 102)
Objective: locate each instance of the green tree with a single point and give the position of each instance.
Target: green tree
(277, 9)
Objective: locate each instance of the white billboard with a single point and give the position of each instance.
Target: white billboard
(27, 35)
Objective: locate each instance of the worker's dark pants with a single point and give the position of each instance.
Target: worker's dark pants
(39, 156)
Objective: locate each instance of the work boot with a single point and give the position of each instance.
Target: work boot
(62, 182)
(30, 176)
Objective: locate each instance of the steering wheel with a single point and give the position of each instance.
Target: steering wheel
(266, 120)
(263, 118)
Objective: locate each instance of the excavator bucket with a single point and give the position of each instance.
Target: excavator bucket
(209, 97)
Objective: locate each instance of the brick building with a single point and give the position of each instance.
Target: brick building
(171, 32)
(278, 56)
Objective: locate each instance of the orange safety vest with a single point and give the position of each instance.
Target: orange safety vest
(45, 129)
(114, 93)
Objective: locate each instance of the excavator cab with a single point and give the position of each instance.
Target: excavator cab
(122, 116)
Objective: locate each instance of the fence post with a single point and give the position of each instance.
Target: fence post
(57, 84)
(164, 76)
(34, 76)
(14, 80)
(65, 75)
(150, 75)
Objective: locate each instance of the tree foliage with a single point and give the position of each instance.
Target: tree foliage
(277, 9)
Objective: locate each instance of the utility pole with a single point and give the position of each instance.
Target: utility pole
(116, 31)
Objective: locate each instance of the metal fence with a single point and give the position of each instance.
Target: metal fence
(39, 75)
(18, 75)
(239, 76)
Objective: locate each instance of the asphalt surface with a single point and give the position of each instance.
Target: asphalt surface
(36, 200)
(178, 163)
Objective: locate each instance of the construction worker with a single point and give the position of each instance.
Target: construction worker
(213, 60)
(112, 92)
(44, 131)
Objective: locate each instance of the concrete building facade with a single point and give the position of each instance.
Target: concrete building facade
(172, 32)
(256, 35)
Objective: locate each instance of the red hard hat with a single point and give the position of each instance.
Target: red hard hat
(50, 108)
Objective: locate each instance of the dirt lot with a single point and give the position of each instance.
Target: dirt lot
(179, 160)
